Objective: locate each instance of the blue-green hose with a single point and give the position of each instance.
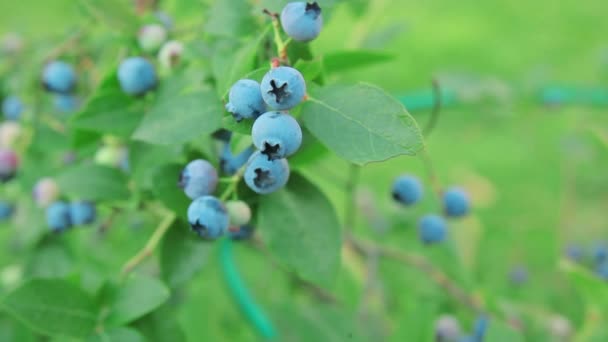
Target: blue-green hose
(254, 314)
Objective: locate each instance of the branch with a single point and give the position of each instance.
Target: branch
(436, 109)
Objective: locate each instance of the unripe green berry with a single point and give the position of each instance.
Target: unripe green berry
(238, 212)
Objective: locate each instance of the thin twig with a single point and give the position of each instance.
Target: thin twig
(436, 109)
(431, 174)
(278, 40)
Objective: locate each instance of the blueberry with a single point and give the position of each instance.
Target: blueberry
(600, 253)
(245, 100)
(6, 210)
(136, 76)
(455, 202)
(112, 155)
(59, 77)
(170, 54)
(480, 328)
(208, 217)
(82, 212)
(238, 212)
(407, 190)
(46, 191)
(151, 37)
(265, 176)
(8, 164)
(9, 133)
(447, 329)
(66, 103)
(283, 88)
(432, 229)
(602, 270)
(231, 164)
(199, 178)
(277, 135)
(241, 233)
(302, 21)
(58, 216)
(518, 275)
(574, 252)
(12, 108)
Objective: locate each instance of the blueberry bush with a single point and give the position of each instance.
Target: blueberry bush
(235, 170)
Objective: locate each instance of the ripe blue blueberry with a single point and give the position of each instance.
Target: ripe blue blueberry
(199, 178)
(277, 135)
(136, 76)
(241, 233)
(602, 270)
(407, 189)
(6, 210)
(432, 229)
(574, 252)
(82, 212)
(265, 176)
(283, 88)
(245, 100)
(231, 164)
(447, 328)
(58, 216)
(59, 77)
(8, 164)
(208, 217)
(66, 103)
(12, 108)
(480, 328)
(600, 253)
(302, 21)
(455, 202)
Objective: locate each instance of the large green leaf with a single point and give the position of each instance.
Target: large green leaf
(165, 188)
(300, 227)
(182, 255)
(361, 123)
(230, 18)
(53, 307)
(120, 334)
(340, 61)
(157, 328)
(133, 299)
(182, 118)
(93, 182)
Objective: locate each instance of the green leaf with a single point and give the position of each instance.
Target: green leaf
(243, 127)
(310, 151)
(117, 15)
(93, 182)
(500, 332)
(181, 255)
(157, 328)
(589, 286)
(230, 18)
(341, 61)
(133, 299)
(300, 227)
(53, 307)
(165, 188)
(181, 119)
(311, 70)
(361, 123)
(120, 334)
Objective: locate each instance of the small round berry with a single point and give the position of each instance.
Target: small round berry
(241, 233)
(283, 88)
(518, 275)
(245, 100)
(11, 43)
(170, 54)
(265, 176)
(302, 21)
(199, 178)
(480, 328)
(9, 133)
(111, 155)
(600, 253)
(151, 37)
(277, 135)
(560, 327)
(8, 164)
(447, 328)
(208, 217)
(66, 103)
(432, 229)
(12, 108)
(164, 19)
(231, 164)
(6, 210)
(59, 77)
(238, 212)
(407, 190)
(136, 76)
(82, 212)
(574, 252)
(46, 191)
(455, 202)
(58, 216)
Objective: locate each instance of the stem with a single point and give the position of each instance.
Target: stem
(241, 295)
(436, 109)
(278, 40)
(150, 246)
(232, 186)
(363, 248)
(431, 174)
(351, 186)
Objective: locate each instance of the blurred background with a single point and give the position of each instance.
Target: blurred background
(523, 127)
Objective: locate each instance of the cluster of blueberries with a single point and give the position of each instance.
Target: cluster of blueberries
(596, 258)
(432, 228)
(447, 329)
(275, 133)
(59, 78)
